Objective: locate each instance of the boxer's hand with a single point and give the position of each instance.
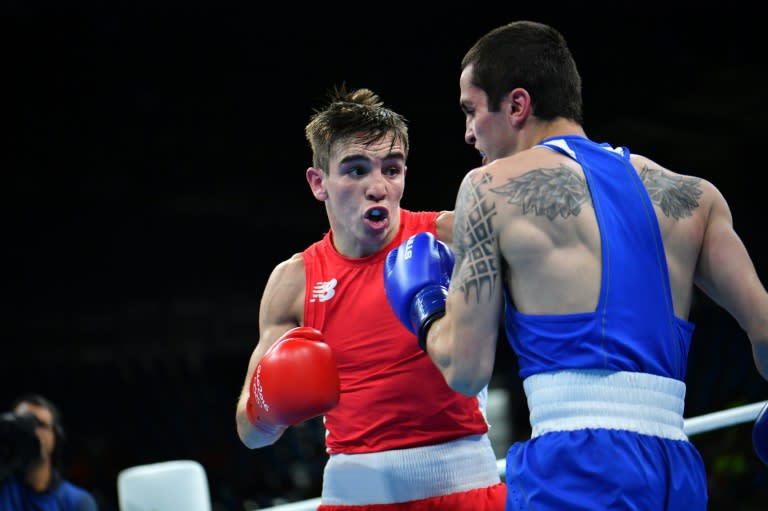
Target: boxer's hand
(294, 381)
(760, 434)
(416, 279)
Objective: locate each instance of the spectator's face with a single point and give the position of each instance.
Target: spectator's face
(44, 430)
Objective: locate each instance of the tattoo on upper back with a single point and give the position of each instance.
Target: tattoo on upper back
(552, 192)
(473, 239)
(676, 196)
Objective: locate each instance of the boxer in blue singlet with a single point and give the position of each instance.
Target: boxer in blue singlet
(590, 255)
(597, 379)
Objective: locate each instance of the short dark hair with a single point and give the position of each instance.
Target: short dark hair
(358, 115)
(58, 428)
(533, 56)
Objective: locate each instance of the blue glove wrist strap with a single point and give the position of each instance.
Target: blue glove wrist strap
(428, 305)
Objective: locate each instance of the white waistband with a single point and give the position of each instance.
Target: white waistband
(639, 402)
(410, 474)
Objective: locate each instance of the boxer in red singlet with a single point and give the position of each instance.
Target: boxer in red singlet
(398, 437)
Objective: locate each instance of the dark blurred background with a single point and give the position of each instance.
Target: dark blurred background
(154, 160)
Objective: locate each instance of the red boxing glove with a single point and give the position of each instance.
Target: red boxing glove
(295, 380)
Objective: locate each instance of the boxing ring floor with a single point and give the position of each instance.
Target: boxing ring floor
(692, 426)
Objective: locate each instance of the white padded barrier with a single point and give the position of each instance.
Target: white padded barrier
(164, 486)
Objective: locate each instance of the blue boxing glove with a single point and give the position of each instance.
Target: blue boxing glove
(760, 435)
(416, 279)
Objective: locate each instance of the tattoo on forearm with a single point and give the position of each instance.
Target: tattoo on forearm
(677, 196)
(473, 240)
(556, 192)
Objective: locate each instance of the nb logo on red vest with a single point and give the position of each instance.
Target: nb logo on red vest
(324, 291)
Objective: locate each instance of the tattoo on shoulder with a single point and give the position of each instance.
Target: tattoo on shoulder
(555, 192)
(473, 240)
(676, 195)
